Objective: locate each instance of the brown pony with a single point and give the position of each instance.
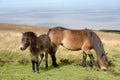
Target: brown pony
(79, 40)
(38, 45)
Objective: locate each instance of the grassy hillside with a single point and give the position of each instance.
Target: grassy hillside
(15, 64)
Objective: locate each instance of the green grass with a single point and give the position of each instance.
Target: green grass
(15, 71)
(12, 69)
(66, 71)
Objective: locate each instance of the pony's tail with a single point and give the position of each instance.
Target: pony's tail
(96, 43)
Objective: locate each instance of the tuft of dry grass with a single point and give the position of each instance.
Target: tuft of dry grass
(23, 60)
(62, 60)
(91, 78)
(78, 62)
(4, 60)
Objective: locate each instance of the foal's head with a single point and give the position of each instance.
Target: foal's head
(27, 37)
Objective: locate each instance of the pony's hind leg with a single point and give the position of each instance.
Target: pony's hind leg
(52, 54)
(91, 60)
(37, 66)
(84, 59)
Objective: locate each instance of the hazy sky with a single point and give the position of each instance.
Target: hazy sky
(69, 4)
(95, 14)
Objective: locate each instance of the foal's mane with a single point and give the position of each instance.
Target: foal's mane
(32, 36)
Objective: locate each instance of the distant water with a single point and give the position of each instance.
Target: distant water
(77, 19)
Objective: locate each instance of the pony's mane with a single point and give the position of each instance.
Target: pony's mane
(30, 34)
(33, 38)
(97, 44)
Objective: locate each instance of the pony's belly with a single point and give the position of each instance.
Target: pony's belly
(71, 45)
(42, 51)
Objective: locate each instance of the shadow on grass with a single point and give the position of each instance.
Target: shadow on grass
(76, 62)
(68, 62)
(60, 65)
(72, 62)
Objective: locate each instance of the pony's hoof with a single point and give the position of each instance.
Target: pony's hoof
(46, 66)
(91, 65)
(84, 65)
(33, 70)
(37, 72)
(55, 65)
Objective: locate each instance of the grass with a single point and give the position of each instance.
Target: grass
(15, 71)
(15, 64)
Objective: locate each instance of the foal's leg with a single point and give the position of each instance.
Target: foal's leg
(46, 59)
(37, 62)
(33, 65)
(84, 59)
(37, 66)
(41, 56)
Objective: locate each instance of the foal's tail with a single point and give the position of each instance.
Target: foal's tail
(96, 42)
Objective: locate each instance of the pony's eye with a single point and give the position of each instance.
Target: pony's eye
(25, 40)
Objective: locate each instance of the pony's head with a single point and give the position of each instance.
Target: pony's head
(103, 62)
(26, 40)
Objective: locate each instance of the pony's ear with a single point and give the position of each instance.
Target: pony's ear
(22, 33)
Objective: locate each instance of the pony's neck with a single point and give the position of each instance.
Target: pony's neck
(33, 43)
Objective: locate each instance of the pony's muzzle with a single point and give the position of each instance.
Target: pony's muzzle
(22, 48)
(103, 68)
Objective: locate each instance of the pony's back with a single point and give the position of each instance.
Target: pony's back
(45, 41)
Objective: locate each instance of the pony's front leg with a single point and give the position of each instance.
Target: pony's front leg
(87, 51)
(84, 59)
(91, 60)
(33, 65)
